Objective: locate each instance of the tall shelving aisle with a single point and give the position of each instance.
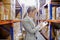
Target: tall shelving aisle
(50, 9)
(8, 18)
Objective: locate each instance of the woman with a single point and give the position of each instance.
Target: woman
(32, 31)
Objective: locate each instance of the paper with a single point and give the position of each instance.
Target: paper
(42, 25)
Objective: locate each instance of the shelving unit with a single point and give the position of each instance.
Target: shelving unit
(50, 19)
(12, 6)
(8, 10)
(11, 28)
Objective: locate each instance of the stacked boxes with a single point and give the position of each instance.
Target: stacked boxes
(1, 11)
(7, 10)
(10, 5)
(46, 11)
(6, 1)
(57, 13)
(54, 13)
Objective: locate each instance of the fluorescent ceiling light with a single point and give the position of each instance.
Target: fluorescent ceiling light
(27, 2)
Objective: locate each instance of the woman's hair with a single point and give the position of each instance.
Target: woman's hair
(24, 15)
(30, 9)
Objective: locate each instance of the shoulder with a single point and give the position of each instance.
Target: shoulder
(25, 20)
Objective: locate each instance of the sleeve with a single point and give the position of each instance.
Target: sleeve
(28, 27)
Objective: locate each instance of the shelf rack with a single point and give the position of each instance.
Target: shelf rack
(11, 28)
(11, 22)
(50, 5)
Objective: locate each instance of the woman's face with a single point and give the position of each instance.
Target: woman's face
(32, 13)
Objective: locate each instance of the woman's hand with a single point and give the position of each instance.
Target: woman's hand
(43, 24)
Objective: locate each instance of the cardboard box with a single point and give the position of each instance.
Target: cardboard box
(54, 13)
(6, 1)
(10, 6)
(5, 11)
(1, 11)
(46, 11)
(8, 9)
(58, 13)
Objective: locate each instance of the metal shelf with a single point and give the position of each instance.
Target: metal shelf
(2, 22)
(57, 21)
(53, 4)
(50, 5)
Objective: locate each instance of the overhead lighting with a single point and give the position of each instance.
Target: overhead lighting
(27, 2)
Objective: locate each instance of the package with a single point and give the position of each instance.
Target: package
(9, 5)
(1, 11)
(7, 11)
(46, 11)
(58, 13)
(6, 1)
(53, 13)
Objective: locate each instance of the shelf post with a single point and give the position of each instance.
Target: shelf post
(11, 32)
(21, 18)
(50, 17)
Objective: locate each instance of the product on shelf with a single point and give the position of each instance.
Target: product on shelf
(1, 11)
(53, 13)
(6, 1)
(6, 14)
(7, 11)
(58, 13)
(46, 11)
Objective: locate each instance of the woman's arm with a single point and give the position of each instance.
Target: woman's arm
(28, 27)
